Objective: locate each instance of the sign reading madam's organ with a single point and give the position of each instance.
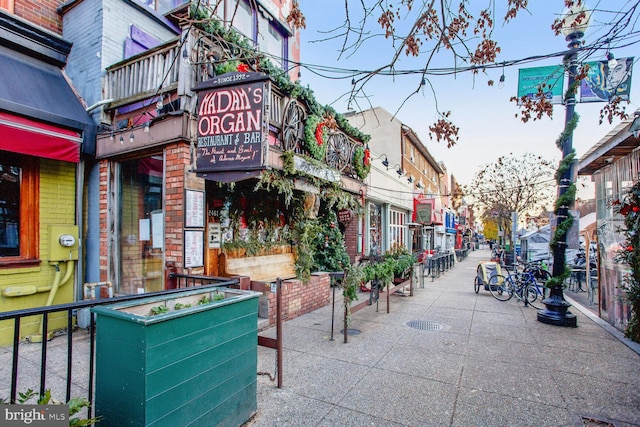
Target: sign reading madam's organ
(231, 125)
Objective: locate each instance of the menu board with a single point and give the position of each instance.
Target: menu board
(193, 248)
(194, 209)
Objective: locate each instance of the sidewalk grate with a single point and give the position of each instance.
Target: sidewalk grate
(425, 325)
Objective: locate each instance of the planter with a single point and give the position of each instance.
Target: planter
(192, 366)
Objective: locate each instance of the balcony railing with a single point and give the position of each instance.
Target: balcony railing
(142, 76)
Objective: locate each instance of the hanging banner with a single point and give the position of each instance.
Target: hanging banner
(603, 82)
(551, 79)
(232, 128)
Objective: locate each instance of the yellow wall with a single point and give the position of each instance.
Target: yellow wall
(57, 207)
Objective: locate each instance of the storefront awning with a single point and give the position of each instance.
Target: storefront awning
(24, 136)
(41, 115)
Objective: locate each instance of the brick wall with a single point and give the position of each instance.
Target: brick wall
(351, 238)
(298, 298)
(42, 13)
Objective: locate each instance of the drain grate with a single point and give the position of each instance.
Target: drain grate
(425, 325)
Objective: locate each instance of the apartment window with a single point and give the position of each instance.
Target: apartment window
(18, 208)
(243, 19)
(263, 30)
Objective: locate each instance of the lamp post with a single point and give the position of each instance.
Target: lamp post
(556, 311)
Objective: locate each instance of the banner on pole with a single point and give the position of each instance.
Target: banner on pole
(603, 82)
(550, 78)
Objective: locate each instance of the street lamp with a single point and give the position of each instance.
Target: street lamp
(556, 311)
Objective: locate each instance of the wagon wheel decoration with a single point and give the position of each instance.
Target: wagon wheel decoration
(338, 151)
(292, 125)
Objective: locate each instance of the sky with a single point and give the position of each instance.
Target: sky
(484, 114)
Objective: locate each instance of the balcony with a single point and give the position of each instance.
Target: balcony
(164, 77)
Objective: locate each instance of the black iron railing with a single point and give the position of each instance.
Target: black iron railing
(72, 310)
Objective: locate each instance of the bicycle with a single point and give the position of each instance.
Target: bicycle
(522, 285)
(540, 274)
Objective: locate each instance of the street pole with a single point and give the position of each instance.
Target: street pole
(556, 311)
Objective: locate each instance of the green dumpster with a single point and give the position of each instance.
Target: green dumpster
(186, 359)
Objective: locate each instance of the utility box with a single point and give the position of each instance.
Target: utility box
(63, 242)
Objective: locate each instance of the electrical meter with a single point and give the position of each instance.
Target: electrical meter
(67, 240)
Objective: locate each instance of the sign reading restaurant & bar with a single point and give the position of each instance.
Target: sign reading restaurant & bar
(231, 123)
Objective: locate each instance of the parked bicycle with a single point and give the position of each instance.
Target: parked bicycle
(522, 285)
(540, 276)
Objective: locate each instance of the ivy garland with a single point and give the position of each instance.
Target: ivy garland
(629, 254)
(566, 199)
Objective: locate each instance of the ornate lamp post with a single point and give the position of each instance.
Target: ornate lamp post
(556, 310)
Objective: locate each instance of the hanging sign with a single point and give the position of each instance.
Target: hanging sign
(604, 82)
(550, 79)
(344, 216)
(232, 128)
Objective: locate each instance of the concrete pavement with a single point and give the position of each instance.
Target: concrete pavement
(468, 360)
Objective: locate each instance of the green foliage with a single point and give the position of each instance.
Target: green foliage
(382, 271)
(358, 163)
(317, 151)
(629, 254)
(330, 253)
(160, 309)
(305, 231)
(76, 405)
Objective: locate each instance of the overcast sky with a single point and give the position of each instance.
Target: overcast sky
(486, 117)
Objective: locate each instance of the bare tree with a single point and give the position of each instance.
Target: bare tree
(522, 184)
(427, 29)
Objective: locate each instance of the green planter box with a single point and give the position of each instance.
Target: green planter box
(194, 366)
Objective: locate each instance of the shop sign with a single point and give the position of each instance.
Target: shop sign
(232, 127)
(422, 209)
(344, 216)
(318, 171)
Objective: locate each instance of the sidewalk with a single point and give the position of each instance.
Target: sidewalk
(491, 364)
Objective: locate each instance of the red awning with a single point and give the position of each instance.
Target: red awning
(25, 136)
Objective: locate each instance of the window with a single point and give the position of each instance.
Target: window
(263, 30)
(141, 225)
(270, 40)
(243, 19)
(18, 209)
(397, 230)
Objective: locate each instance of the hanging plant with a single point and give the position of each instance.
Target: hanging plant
(361, 164)
(629, 254)
(315, 142)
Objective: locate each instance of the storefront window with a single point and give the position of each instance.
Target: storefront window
(397, 230)
(18, 208)
(375, 229)
(141, 225)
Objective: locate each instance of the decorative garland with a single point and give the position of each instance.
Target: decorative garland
(315, 136)
(629, 254)
(565, 199)
(361, 162)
